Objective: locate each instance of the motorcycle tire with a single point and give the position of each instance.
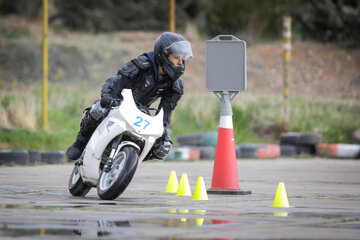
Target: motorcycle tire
(112, 184)
(76, 185)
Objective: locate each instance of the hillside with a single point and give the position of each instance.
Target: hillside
(325, 86)
(316, 69)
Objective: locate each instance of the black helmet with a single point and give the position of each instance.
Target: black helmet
(168, 43)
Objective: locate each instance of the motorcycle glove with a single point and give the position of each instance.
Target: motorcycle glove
(162, 150)
(106, 101)
(162, 146)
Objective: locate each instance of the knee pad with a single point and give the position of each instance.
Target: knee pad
(92, 119)
(97, 112)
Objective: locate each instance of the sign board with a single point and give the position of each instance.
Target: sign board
(225, 64)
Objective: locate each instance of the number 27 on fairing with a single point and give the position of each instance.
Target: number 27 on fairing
(142, 123)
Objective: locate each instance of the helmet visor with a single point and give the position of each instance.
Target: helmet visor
(181, 48)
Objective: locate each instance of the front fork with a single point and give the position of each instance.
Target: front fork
(115, 148)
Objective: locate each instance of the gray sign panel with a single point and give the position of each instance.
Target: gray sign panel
(225, 64)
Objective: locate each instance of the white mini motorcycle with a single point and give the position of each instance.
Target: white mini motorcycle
(124, 138)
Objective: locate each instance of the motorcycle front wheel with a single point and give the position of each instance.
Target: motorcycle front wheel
(112, 184)
(76, 185)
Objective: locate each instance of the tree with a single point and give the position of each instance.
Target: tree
(22, 7)
(110, 15)
(331, 21)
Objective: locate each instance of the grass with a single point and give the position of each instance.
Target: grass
(256, 119)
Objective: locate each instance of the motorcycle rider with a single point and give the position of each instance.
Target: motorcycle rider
(152, 75)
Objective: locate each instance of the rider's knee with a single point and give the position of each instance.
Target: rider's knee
(97, 112)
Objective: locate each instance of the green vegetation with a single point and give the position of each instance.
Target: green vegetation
(256, 119)
(254, 20)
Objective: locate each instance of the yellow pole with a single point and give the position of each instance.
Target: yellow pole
(172, 15)
(45, 65)
(286, 67)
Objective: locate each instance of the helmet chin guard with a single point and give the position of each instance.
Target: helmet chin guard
(166, 44)
(172, 71)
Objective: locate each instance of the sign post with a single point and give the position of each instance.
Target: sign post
(225, 76)
(45, 65)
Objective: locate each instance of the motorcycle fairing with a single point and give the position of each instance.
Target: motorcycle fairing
(127, 117)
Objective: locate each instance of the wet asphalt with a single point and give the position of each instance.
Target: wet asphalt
(324, 193)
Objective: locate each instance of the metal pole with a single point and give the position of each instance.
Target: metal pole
(286, 68)
(225, 98)
(172, 15)
(45, 65)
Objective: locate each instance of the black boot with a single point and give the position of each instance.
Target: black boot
(75, 150)
(87, 127)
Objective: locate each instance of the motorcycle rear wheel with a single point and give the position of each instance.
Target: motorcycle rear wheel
(112, 184)
(76, 185)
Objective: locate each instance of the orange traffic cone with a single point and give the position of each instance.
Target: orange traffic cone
(225, 173)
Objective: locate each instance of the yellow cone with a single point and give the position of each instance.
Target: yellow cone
(281, 200)
(199, 221)
(172, 185)
(184, 186)
(200, 190)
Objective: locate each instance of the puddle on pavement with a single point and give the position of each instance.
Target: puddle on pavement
(98, 228)
(122, 226)
(65, 228)
(16, 206)
(177, 218)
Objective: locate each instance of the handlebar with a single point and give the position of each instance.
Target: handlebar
(116, 103)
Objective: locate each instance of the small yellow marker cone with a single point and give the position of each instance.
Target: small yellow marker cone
(199, 221)
(172, 185)
(200, 190)
(281, 200)
(184, 186)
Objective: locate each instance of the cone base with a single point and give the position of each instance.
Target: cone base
(228, 192)
(280, 206)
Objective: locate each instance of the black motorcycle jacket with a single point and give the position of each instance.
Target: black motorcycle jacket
(142, 77)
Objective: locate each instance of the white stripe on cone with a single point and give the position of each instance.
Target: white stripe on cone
(226, 122)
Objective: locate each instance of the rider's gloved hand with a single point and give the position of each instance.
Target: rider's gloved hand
(106, 100)
(162, 145)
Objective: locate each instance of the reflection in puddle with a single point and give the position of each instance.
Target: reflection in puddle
(96, 228)
(15, 206)
(178, 218)
(96, 225)
(198, 221)
(81, 228)
(281, 214)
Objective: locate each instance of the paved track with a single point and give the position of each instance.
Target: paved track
(325, 193)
